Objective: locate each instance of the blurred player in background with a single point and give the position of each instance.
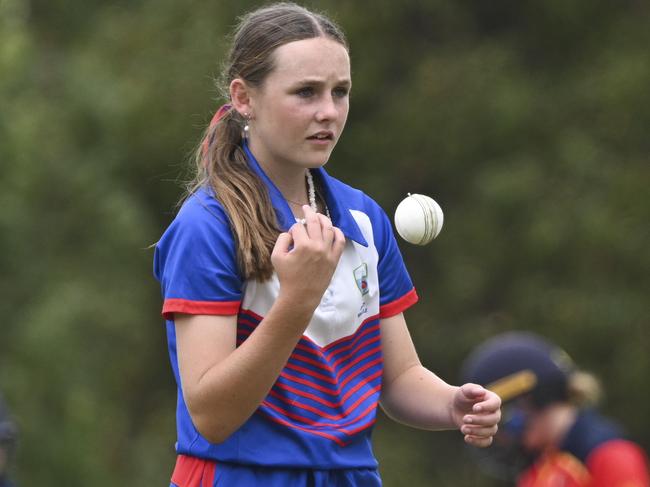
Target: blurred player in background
(550, 435)
(7, 442)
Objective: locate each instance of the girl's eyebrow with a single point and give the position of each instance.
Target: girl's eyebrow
(320, 82)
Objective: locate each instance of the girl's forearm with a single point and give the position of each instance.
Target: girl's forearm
(421, 399)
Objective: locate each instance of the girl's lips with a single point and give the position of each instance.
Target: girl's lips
(319, 142)
(322, 135)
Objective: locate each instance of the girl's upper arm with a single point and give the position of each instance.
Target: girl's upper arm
(397, 347)
(202, 341)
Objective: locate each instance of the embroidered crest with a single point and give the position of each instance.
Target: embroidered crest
(361, 278)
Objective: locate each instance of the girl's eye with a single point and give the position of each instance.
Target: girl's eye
(341, 92)
(305, 92)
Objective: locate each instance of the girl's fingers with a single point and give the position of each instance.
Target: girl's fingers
(479, 431)
(320, 228)
(339, 243)
(312, 222)
(478, 441)
(327, 230)
(492, 403)
(482, 419)
(283, 243)
(473, 391)
(299, 233)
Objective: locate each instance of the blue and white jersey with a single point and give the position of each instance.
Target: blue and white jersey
(320, 412)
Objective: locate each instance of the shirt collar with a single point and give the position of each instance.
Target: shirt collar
(340, 214)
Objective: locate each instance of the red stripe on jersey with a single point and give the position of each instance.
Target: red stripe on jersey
(308, 395)
(324, 363)
(300, 380)
(320, 412)
(361, 369)
(306, 345)
(368, 331)
(351, 354)
(247, 323)
(311, 373)
(252, 314)
(362, 383)
(321, 364)
(208, 478)
(398, 305)
(301, 428)
(317, 382)
(193, 472)
(173, 305)
(360, 358)
(314, 351)
(334, 381)
(353, 336)
(332, 404)
(250, 320)
(362, 427)
(334, 392)
(320, 424)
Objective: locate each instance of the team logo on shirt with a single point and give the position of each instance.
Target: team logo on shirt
(361, 278)
(363, 309)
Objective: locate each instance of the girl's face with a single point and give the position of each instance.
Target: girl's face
(298, 113)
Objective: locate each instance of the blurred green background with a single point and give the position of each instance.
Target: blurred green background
(528, 121)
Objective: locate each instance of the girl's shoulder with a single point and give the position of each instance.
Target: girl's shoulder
(201, 204)
(200, 215)
(201, 209)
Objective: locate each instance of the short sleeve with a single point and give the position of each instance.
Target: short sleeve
(195, 261)
(395, 286)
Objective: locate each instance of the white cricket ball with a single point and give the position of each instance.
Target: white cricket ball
(418, 219)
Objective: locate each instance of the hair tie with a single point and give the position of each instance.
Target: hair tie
(222, 112)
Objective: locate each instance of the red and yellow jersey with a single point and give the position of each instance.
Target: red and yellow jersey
(556, 469)
(613, 463)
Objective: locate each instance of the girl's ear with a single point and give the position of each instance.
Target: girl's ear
(240, 96)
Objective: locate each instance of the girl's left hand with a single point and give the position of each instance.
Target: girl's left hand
(477, 412)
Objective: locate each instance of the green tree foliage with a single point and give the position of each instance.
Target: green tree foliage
(527, 121)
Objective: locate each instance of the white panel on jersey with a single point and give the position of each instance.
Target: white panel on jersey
(351, 298)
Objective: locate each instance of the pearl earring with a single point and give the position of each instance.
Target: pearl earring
(246, 126)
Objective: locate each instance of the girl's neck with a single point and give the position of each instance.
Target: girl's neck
(292, 186)
(290, 180)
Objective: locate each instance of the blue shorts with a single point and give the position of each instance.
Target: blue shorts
(197, 472)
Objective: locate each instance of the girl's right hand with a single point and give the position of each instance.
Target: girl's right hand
(306, 257)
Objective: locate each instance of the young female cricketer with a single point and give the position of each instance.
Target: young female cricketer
(284, 289)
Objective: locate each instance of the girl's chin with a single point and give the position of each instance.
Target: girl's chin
(317, 160)
(316, 164)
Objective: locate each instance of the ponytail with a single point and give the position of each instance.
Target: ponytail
(222, 165)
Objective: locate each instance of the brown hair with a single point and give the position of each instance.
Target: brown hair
(220, 160)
